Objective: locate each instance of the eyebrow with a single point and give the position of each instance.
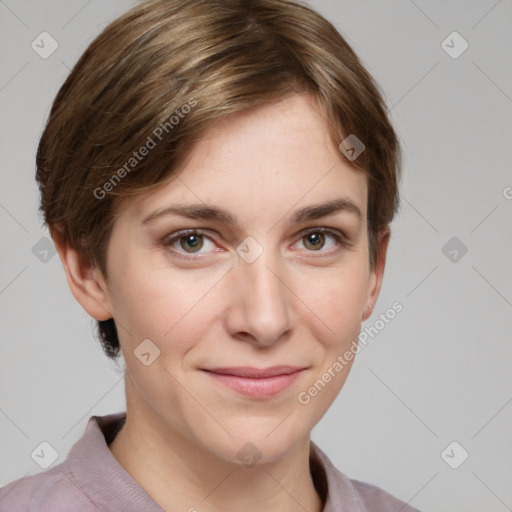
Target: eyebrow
(202, 211)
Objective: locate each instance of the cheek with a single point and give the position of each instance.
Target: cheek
(169, 309)
(336, 298)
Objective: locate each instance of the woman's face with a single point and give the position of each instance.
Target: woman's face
(256, 271)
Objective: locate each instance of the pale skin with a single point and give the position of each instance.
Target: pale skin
(301, 302)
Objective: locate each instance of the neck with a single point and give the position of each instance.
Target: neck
(179, 474)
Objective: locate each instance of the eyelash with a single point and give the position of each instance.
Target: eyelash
(169, 240)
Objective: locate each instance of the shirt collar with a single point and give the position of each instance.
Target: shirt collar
(341, 494)
(109, 486)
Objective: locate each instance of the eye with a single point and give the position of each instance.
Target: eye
(315, 239)
(188, 242)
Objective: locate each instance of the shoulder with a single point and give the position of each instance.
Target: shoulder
(74, 485)
(53, 490)
(375, 499)
(343, 493)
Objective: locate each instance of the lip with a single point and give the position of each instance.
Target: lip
(256, 382)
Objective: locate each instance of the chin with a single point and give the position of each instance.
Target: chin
(263, 443)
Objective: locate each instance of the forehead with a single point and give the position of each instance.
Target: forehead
(261, 162)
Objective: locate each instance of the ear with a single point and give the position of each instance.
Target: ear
(377, 273)
(86, 282)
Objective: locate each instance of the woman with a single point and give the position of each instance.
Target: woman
(218, 177)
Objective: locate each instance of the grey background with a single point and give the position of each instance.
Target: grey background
(439, 372)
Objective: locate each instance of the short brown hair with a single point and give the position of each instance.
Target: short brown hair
(174, 67)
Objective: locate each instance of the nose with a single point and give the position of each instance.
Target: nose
(260, 301)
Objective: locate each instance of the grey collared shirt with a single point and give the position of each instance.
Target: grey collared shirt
(92, 480)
